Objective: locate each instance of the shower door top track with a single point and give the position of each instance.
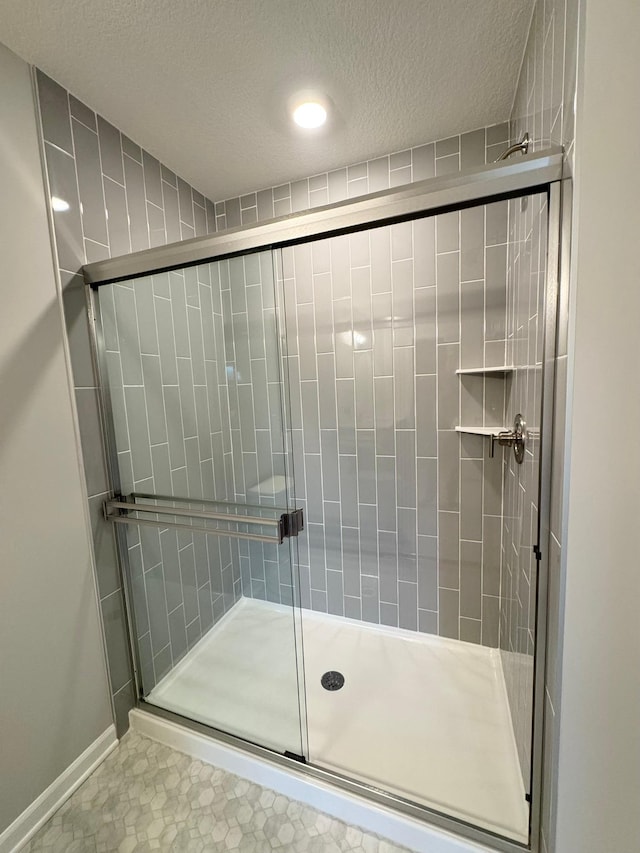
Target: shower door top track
(503, 179)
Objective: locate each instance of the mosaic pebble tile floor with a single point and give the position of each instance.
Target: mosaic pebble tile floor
(146, 796)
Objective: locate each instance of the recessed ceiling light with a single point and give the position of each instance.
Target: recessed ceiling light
(59, 204)
(310, 114)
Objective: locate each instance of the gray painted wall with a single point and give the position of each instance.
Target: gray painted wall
(54, 699)
(544, 105)
(599, 739)
(120, 200)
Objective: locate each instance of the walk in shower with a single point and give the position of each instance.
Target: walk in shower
(328, 438)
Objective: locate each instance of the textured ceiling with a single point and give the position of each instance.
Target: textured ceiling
(202, 84)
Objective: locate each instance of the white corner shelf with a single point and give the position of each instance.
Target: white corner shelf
(480, 430)
(485, 371)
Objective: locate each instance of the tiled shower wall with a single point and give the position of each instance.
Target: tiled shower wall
(402, 513)
(194, 380)
(255, 407)
(164, 343)
(120, 199)
(367, 553)
(434, 159)
(544, 106)
(91, 164)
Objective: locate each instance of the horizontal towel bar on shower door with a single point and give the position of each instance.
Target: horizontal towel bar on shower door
(211, 516)
(203, 502)
(209, 531)
(120, 511)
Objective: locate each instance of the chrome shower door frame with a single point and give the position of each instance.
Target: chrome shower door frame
(531, 173)
(105, 409)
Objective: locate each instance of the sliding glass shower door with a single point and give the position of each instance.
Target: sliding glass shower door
(412, 348)
(331, 475)
(361, 391)
(194, 404)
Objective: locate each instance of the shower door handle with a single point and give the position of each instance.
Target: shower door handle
(515, 438)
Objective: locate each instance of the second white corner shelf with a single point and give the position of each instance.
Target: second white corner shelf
(485, 371)
(480, 430)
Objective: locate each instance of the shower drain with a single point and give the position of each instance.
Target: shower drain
(332, 680)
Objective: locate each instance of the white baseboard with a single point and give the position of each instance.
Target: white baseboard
(354, 810)
(24, 827)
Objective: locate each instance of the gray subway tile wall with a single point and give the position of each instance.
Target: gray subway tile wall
(356, 464)
(342, 387)
(162, 405)
(254, 400)
(115, 205)
(474, 148)
(393, 536)
(544, 106)
(368, 521)
(343, 393)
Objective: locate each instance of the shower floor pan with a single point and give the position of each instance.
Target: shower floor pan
(420, 716)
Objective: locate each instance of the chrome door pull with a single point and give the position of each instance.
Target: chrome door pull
(515, 438)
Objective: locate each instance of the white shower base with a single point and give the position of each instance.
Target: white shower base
(420, 716)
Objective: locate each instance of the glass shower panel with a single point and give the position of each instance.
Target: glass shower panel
(406, 345)
(191, 371)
